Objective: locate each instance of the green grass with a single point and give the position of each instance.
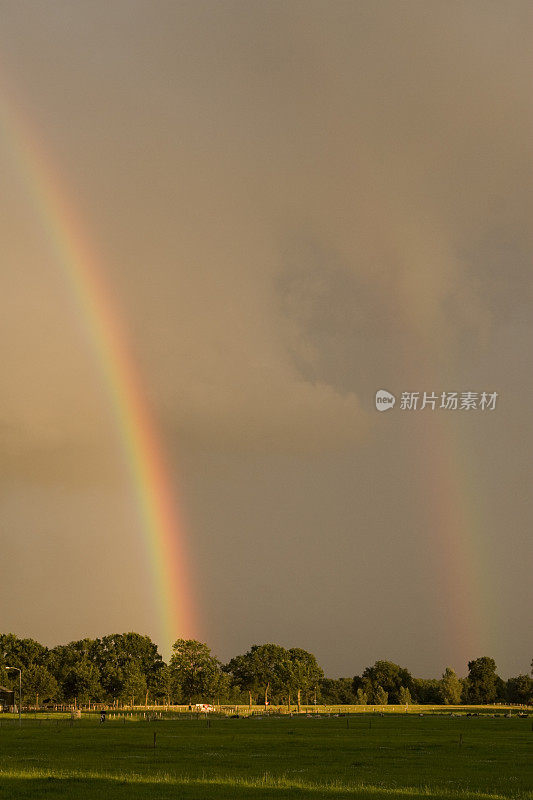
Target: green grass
(395, 755)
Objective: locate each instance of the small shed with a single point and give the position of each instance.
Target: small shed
(7, 699)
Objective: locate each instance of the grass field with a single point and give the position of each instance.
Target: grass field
(357, 756)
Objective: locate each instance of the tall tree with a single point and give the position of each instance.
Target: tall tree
(482, 680)
(197, 672)
(39, 684)
(25, 654)
(21, 653)
(167, 687)
(81, 682)
(520, 690)
(390, 677)
(301, 673)
(337, 691)
(263, 667)
(381, 697)
(134, 685)
(451, 687)
(404, 696)
(361, 698)
(114, 654)
(428, 691)
(243, 676)
(73, 665)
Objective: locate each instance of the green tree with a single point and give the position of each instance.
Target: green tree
(390, 677)
(501, 690)
(361, 698)
(451, 687)
(243, 676)
(520, 690)
(301, 673)
(21, 653)
(197, 672)
(263, 667)
(337, 691)
(226, 691)
(167, 687)
(428, 691)
(25, 654)
(81, 682)
(134, 685)
(405, 696)
(74, 669)
(482, 680)
(381, 697)
(113, 656)
(38, 684)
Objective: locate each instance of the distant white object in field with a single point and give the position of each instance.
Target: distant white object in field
(203, 707)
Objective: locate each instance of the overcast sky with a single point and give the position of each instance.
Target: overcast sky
(296, 204)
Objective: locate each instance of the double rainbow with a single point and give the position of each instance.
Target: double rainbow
(455, 518)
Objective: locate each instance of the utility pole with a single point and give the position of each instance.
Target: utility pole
(20, 691)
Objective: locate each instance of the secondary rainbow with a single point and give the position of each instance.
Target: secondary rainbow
(453, 503)
(102, 324)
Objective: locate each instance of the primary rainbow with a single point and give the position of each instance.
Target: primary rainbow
(161, 525)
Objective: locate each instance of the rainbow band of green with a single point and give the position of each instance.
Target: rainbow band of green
(161, 525)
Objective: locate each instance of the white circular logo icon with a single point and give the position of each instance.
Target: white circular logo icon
(384, 400)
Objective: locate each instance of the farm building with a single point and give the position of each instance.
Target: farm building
(7, 699)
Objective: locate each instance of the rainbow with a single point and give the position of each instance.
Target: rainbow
(452, 502)
(101, 321)
(454, 516)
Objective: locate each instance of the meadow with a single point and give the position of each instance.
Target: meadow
(265, 757)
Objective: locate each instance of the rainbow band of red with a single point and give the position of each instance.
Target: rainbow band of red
(161, 526)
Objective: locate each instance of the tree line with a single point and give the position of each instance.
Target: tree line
(127, 668)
